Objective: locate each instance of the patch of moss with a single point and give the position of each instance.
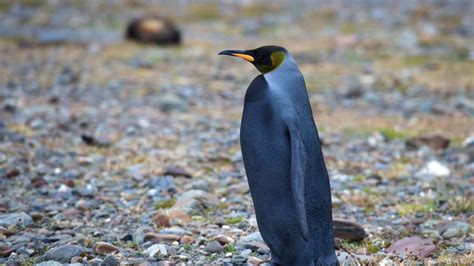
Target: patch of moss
(186, 247)
(230, 248)
(165, 204)
(352, 246)
(371, 249)
(359, 177)
(416, 60)
(234, 220)
(21, 129)
(391, 134)
(406, 209)
(222, 206)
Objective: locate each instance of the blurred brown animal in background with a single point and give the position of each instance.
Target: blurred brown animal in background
(153, 30)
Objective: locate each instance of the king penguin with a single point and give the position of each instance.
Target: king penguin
(284, 162)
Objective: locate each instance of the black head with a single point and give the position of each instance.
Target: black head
(265, 58)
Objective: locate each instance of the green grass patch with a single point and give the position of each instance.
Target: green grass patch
(461, 205)
(165, 204)
(234, 220)
(230, 248)
(406, 209)
(416, 60)
(392, 134)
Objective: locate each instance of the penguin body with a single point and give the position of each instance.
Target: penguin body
(285, 167)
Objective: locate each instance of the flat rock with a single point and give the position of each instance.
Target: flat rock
(15, 219)
(412, 246)
(157, 238)
(105, 248)
(177, 171)
(453, 229)
(64, 253)
(348, 230)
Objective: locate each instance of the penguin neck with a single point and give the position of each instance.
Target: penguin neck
(276, 58)
(287, 67)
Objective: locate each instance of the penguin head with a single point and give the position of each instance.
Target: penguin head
(265, 58)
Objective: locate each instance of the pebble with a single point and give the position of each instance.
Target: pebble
(187, 240)
(252, 241)
(239, 259)
(177, 171)
(20, 219)
(246, 252)
(138, 236)
(155, 249)
(254, 261)
(167, 218)
(386, 262)
(171, 102)
(3, 158)
(223, 239)
(434, 168)
(5, 251)
(214, 246)
(193, 200)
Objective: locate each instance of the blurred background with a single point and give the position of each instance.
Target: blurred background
(119, 127)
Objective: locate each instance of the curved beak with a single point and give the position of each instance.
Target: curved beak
(238, 53)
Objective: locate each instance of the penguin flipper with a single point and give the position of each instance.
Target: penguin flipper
(298, 164)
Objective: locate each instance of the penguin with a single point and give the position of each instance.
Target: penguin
(284, 162)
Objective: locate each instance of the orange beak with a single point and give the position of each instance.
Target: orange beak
(238, 53)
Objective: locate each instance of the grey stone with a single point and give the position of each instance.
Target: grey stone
(3, 158)
(454, 229)
(171, 102)
(49, 263)
(173, 231)
(239, 259)
(214, 246)
(15, 219)
(64, 253)
(196, 199)
(246, 252)
(138, 236)
(253, 237)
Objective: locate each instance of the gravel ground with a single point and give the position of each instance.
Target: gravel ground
(116, 152)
